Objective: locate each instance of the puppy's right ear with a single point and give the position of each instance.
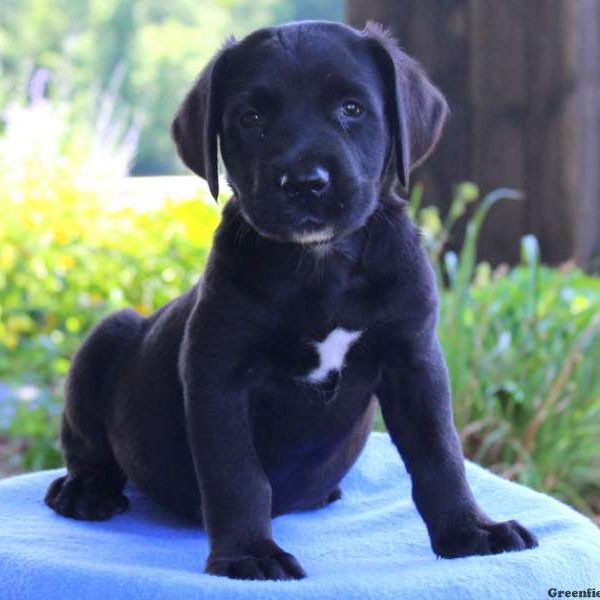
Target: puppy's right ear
(196, 123)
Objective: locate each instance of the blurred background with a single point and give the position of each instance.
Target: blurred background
(97, 213)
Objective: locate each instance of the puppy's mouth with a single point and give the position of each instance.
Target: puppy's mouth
(309, 231)
(319, 222)
(319, 236)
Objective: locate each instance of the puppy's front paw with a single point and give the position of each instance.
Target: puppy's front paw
(469, 534)
(86, 497)
(265, 560)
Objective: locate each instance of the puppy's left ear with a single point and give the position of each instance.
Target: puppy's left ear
(417, 109)
(196, 123)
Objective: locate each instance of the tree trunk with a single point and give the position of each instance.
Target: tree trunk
(523, 83)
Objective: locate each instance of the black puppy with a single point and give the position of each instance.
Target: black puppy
(252, 394)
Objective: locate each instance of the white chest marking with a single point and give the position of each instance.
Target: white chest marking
(332, 352)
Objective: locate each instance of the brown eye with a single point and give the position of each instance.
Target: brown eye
(352, 109)
(251, 119)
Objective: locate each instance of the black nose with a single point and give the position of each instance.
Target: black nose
(310, 181)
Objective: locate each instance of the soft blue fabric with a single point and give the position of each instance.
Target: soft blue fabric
(372, 544)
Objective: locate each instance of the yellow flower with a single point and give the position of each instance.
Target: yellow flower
(65, 262)
(8, 255)
(143, 309)
(61, 236)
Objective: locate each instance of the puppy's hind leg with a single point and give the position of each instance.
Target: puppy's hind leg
(93, 487)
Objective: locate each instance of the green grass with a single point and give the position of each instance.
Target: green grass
(523, 349)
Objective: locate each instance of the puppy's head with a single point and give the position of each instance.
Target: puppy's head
(313, 120)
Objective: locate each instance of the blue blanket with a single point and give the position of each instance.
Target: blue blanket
(371, 544)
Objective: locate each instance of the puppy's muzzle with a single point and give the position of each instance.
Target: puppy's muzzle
(305, 188)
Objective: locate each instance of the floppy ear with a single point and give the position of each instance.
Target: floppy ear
(417, 109)
(196, 124)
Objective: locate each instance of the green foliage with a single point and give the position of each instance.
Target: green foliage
(522, 348)
(144, 55)
(61, 269)
(67, 260)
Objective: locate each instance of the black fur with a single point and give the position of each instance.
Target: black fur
(205, 405)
